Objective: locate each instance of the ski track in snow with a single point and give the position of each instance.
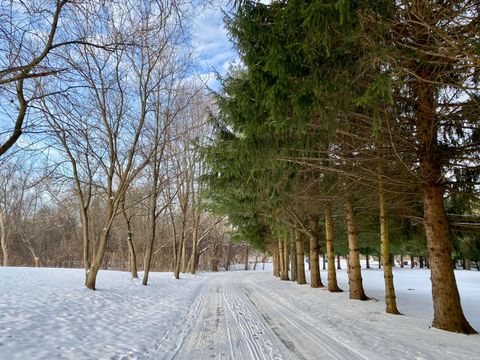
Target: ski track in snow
(237, 315)
(230, 327)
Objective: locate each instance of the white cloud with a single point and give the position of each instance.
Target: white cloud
(210, 39)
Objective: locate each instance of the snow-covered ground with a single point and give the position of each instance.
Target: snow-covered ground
(47, 313)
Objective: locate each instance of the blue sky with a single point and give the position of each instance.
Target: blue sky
(214, 50)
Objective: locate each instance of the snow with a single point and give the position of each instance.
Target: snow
(47, 313)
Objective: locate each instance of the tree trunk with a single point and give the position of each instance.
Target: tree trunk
(390, 298)
(276, 263)
(332, 274)
(227, 265)
(3, 239)
(193, 265)
(467, 264)
(315, 280)
(246, 257)
(324, 262)
(131, 248)
(339, 267)
(286, 258)
(412, 261)
(281, 256)
(421, 262)
(448, 312)
(293, 260)
(401, 261)
(380, 262)
(86, 240)
(181, 251)
(367, 259)
(354, 270)
(92, 272)
(300, 250)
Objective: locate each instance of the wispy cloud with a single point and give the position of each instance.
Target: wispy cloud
(214, 51)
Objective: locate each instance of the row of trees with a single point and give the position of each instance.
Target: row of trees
(359, 118)
(103, 117)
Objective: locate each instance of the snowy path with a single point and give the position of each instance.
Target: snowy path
(47, 313)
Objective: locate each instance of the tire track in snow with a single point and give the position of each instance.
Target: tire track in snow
(309, 339)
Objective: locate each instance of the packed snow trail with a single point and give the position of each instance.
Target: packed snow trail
(229, 327)
(237, 323)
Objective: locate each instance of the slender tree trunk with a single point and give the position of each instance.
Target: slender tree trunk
(131, 248)
(97, 261)
(402, 265)
(149, 249)
(293, 259)
(246, 257)
(339, 267)
(193, 266)
(3, 239)
(332, 274)
(421, 262)
(367, 259)
(86, 240)
(324, 262)
(412, 261)
(178, 266)
(380, 261)
(183, 267)
(300, 250)
(354, 270)
(315, 280)
(390, 298)
(227, 265)
(467, 264)
(281, 256)
(286, 259)
(448, 312)
(276, 263)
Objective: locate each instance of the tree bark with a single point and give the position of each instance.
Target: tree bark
(286, 258)
(390, 298)
(281, 258)
(412, 261)
(227, 265)
(315, 280)
(3, 239)
(97, 261)
(293, 259)
(421, 262)
(276, 263)
(131, 248)
(339, 267)
(448, 312)
(246, 257)
(300, 250)
(332, 274)
(354, 270)
(194, 258)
